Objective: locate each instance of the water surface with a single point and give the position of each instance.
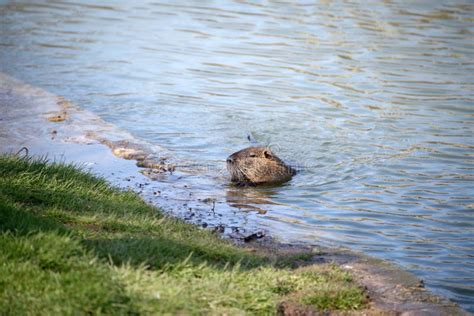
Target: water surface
(373, 101)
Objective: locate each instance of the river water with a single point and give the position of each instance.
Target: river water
(373, 102)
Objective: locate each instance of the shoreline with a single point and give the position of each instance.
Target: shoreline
(49, 125)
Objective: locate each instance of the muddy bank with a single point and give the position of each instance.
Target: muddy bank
(391, 290)
(49, 125)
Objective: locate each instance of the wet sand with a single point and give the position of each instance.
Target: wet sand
(50, 126)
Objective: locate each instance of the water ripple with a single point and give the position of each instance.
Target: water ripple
(374, 107)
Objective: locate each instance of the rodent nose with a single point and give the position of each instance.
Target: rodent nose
(230, 160)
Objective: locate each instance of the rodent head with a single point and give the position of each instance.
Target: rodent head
(257, 165)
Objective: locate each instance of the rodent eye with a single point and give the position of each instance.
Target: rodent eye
(252, 155)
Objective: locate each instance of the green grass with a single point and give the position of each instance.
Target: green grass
(72, 244)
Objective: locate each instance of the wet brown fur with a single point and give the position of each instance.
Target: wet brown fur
(257, 165)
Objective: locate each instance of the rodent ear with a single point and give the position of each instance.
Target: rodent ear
(267, 154)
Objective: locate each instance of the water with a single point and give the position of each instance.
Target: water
(373, 101)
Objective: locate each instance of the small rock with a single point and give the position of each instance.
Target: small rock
(219, 229)
(254, 236)
(58, 117)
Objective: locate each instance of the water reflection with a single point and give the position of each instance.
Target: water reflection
(251, 199)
